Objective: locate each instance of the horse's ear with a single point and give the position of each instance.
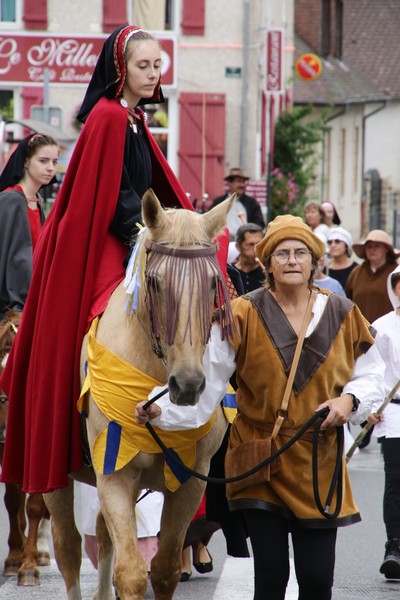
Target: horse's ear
(215, 219)
(152, 211)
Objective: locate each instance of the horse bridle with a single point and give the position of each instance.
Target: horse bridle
(206, 250)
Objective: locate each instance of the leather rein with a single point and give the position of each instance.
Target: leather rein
(336, 481)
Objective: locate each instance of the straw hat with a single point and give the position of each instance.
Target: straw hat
(236, 172)
(378, 236)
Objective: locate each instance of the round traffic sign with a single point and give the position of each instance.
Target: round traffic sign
(308, 67)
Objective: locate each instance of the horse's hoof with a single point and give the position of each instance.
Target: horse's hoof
(43, 559)
(10, 570)
(28, 579)
(11, 567)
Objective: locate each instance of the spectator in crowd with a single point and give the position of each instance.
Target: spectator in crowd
(314, 216)
(250, 269)
(387, 426)
(324, 281)
(366, 284)
(332, 218)
(340, 263)
(31, 167)
(246, 209)
(196, 541)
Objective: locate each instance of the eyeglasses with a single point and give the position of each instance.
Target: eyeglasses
(334, 242)
(282, 256)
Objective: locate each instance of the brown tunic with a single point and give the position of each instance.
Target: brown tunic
(264, 355)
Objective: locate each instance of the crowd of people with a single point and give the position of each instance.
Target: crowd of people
(304, 342)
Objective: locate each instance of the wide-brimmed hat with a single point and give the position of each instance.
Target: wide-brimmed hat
(288, 227)
(236, 172)
(379, 236)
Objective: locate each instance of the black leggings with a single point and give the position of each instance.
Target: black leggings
(391, 498)
(314, 557)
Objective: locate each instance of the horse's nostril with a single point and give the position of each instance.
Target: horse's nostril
(184, 390)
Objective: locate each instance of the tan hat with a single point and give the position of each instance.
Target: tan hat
(376, 235)
(288, 227)
(236, 172)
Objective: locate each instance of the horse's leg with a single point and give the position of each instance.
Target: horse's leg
(105, 590)
(67, 540)
(14, 501)
(28, 573)
(43, 539)
(178, 510)
(117, 494)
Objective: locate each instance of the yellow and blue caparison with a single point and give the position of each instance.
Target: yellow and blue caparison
(116, 387)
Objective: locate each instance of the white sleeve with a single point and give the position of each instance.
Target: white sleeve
(218, 365)
(367, 384)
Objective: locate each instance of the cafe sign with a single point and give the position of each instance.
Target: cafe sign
(64, 59)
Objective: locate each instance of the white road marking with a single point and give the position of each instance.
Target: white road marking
(236, 581)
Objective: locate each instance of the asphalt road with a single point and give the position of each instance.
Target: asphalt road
(360, 551)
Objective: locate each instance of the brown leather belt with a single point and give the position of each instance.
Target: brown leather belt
(286, 431)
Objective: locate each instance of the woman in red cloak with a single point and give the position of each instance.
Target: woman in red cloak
(79, 259)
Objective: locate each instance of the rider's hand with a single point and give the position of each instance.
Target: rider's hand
(339, 411)
(143, 416)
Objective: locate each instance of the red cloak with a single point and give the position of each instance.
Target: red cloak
(77, 265)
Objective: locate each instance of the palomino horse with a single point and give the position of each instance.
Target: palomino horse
(171, 320)
(23, 556)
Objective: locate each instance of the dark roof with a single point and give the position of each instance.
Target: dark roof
(338, 84)
(371, 41)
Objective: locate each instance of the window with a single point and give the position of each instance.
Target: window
(339, 29)
(157, 120)
(10, 14)
(325, 27)
(153, 15)
(6, 104)
(8, 11)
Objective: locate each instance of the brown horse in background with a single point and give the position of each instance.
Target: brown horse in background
(23, 557)
(164, 338)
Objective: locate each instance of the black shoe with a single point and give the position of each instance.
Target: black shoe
(185, 576)
(204, 567)
(391, 563)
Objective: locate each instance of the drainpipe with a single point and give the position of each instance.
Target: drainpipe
(363, 198)
(245, 84)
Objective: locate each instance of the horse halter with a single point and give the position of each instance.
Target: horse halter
(181, 265)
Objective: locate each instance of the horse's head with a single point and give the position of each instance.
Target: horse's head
(183, 283)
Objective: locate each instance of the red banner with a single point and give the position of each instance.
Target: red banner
(69, 59)
(275, 60)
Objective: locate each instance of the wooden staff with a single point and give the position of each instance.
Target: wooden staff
(368, 426)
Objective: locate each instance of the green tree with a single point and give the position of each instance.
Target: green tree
(295, 156)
